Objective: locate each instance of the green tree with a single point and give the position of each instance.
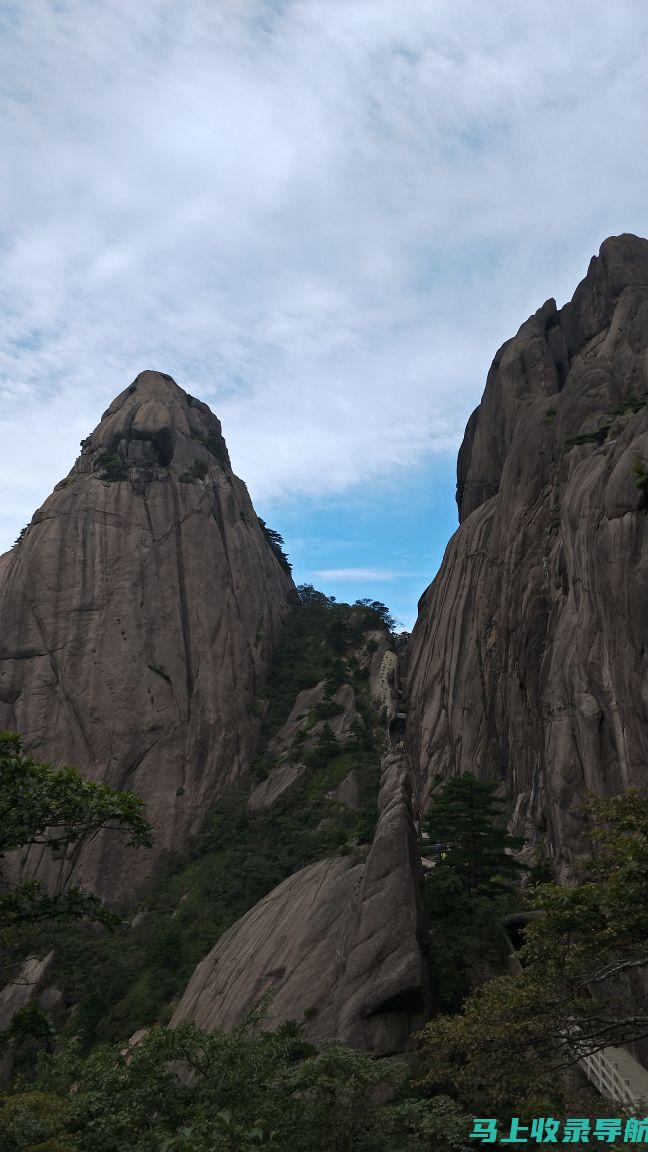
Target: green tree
(517, 1042)
(465, 830)
(276, 541)
(472, 884)
(324, 750)
(378, 611)
(309, 595)
(184, 1090)
(56, 808)
(497, 1056)
(592, 939)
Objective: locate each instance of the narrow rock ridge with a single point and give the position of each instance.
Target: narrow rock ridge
(138, 617)
(342, 943)
(528, 662)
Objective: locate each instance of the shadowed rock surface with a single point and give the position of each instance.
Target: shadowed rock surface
(528, 662)
(25, 988)
(138, 617)
(341, 941)
(289, 751)
(347, 791)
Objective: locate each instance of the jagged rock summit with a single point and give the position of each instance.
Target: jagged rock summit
(138, 617)
(529, 660)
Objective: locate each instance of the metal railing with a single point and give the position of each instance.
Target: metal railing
(604, 1074)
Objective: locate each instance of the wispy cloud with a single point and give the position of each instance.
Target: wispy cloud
(322, 218)
(345, 574)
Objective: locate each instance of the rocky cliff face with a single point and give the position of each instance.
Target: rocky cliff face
(342, 943)
(529, 660)
(138, 616)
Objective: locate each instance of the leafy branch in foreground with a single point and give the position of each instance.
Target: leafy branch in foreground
(55, 808)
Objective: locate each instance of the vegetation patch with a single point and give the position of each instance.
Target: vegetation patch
(275, 540)
(112, 467)
(641, 480)
(507, 1050)
(21, 536)
(197, 471)
(215, 447)
(473, 883)
(326, 710)
(631, 405)
(251, 1088)
(596, 437)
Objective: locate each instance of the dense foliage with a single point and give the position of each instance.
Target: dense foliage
(186, 1091)
(465, 830)
(517, 1041)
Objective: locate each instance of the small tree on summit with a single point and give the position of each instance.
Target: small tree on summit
(378, 610)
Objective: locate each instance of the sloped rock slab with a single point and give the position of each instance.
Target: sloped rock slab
(342, 943)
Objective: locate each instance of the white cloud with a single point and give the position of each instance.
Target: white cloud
(355, 574)
(321, 217)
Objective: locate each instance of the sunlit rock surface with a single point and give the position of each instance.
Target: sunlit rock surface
(528, 663)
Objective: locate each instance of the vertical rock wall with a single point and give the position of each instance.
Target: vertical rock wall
(529, 660)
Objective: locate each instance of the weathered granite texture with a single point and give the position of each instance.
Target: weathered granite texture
(529, 659)
(383, 681)
(138, 617)
(342, 941)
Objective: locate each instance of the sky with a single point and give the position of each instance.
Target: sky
(322, 217)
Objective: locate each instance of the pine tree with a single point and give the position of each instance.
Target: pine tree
(465, 831)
